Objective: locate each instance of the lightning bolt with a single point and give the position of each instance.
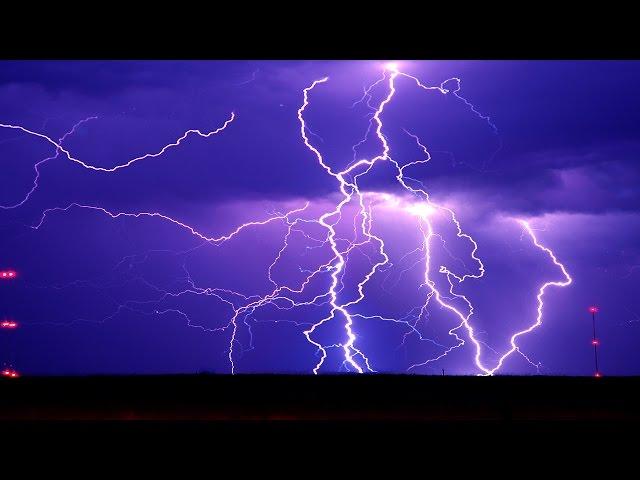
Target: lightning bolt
(193, 231)
(61, 149)
(348, 189)
(561, 283)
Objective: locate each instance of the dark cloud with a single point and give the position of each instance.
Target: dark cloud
(569, 138)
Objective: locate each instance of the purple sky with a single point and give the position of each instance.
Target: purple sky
(103, 295)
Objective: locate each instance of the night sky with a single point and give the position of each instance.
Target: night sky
(144, 294)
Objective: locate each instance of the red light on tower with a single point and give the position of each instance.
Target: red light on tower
(595, 341)
(593, 309)
(8, 274)
(8, 324)
(9, 373)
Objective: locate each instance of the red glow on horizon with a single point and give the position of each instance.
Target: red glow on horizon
(8, 274)
(10, 373)
(598, 375)
(593, 309)
(10, 324)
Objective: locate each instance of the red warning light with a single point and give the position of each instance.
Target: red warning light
(8, 324)
(8, 274)
(595, 341)
(598, 375)
(593, 309)
(10, 373)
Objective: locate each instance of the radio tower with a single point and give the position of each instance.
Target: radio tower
(8, 326)
(593, 310)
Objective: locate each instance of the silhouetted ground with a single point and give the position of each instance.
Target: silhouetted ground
(339, 397)
(259, 406)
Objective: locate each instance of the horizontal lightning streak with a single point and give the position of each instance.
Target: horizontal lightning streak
(192, 230)
(60, 148)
